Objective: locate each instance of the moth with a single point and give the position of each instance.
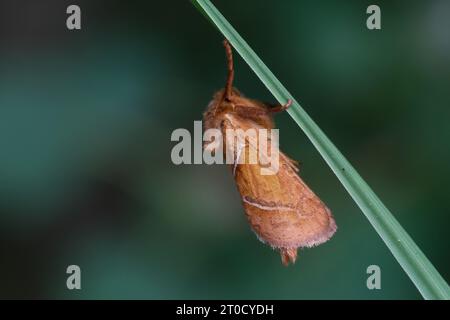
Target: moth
(280, 208)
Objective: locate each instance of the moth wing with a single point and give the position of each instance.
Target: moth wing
(281, 209)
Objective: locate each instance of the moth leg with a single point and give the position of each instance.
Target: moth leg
(238, 157)
(231, 149)
(280, 108)
(245, 111)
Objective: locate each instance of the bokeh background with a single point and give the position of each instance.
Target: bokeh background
(85, 124)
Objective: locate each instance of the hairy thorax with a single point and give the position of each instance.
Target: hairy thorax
(238, 107)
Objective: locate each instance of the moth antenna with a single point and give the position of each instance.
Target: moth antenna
(230, 77)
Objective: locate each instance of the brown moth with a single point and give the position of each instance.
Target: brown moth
(281, 209)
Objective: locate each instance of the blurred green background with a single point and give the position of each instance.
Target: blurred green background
(85, 124)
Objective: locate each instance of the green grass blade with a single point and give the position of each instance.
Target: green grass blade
(420, 270)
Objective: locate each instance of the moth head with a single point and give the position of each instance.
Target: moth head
(221, 93)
